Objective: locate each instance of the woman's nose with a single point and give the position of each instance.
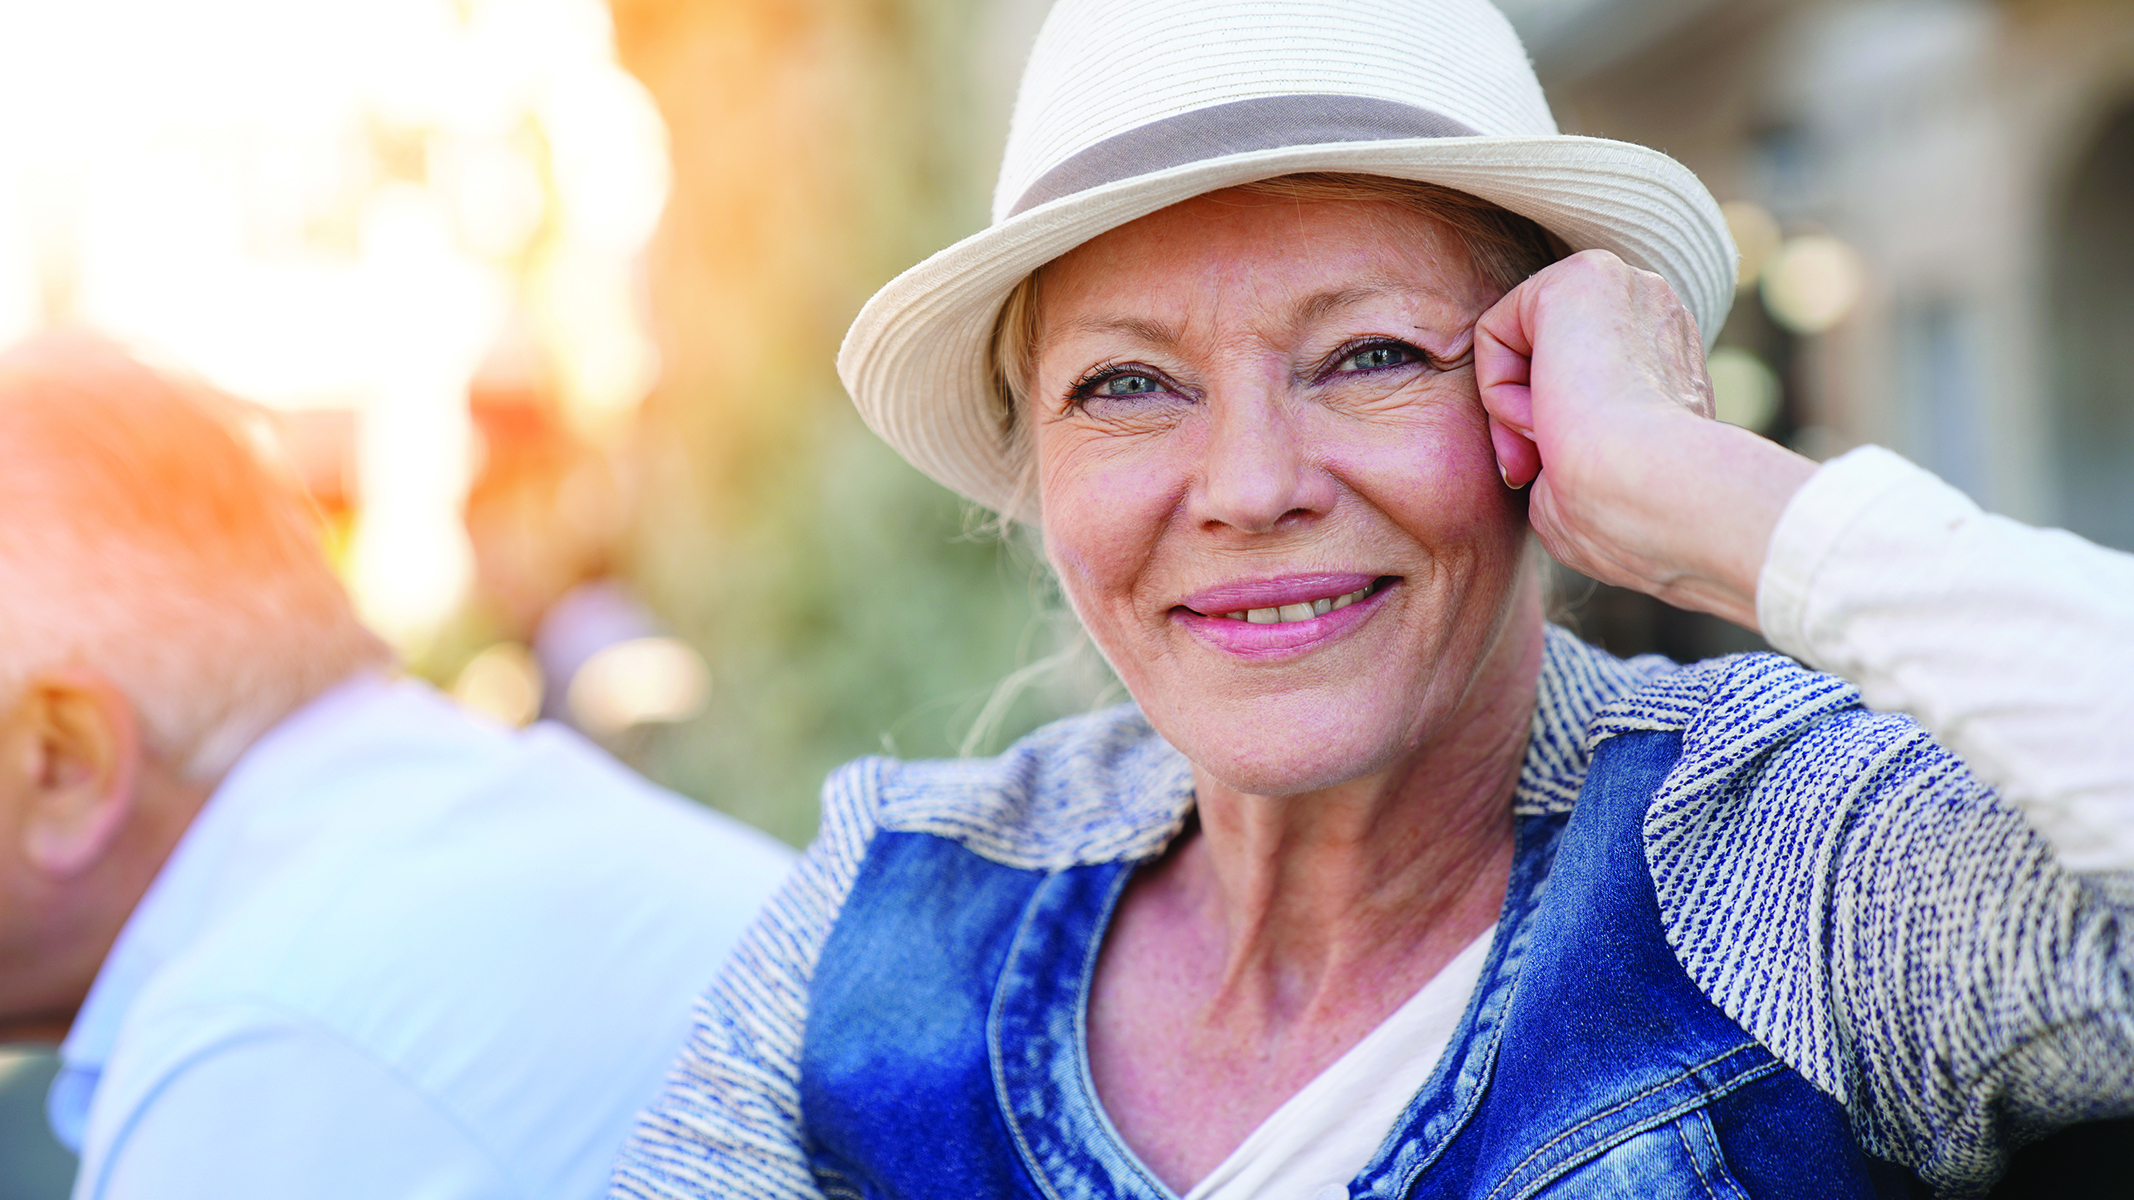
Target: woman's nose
(1256, 472)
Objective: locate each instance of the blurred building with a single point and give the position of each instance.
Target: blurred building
(1969, 167)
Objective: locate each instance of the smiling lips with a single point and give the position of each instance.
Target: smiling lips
(1302, 611)
(1278, 619)
(1285, 600)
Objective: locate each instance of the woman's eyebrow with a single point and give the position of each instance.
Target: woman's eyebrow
(1320, 305)
(1315, 307)
(1142, 329)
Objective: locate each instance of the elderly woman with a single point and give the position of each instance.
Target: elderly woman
(1381, 886)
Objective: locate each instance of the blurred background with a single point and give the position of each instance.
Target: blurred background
(545, 295)
(1935, 205)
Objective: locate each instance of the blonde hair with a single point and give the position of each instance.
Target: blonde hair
(145, 535)
(1504, 246)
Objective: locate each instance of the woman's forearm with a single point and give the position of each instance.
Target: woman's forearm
(1691, 524)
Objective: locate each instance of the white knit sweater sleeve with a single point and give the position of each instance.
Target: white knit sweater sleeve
(728, 1122)
(2013, 646)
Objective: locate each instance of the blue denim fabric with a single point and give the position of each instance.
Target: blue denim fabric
(945, 1051)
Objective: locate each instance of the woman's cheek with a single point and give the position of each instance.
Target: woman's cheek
(1103, 507)
(1429, 471)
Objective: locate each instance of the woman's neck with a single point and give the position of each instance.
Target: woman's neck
(1282, 929)
(1376, 881)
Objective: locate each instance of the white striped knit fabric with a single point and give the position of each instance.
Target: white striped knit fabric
(1883, 922)
(1835, 882)
(2027, 678)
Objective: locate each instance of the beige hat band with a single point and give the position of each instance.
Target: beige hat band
(1238, 127)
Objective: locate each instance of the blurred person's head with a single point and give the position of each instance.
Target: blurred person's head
(164, 600)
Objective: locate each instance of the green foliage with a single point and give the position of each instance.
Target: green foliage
(848, 615)
(819, 147)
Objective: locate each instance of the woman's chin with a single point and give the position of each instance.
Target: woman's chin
(1286, 760)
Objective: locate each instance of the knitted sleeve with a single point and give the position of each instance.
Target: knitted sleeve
(728, 1122)
(1844, 888)
(2013, 645)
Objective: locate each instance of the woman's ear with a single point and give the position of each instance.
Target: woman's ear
(77, 759)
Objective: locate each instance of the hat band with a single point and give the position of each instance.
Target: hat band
(1239, 127)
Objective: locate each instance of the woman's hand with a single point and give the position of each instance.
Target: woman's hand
(1593, 377)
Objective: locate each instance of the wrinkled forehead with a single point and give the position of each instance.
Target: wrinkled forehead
(1276, 262)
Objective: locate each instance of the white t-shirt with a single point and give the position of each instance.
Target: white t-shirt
(403, 953)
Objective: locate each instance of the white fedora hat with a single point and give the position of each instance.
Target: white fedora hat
(1130, 106)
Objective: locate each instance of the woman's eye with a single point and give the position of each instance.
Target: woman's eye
(1137, 387)
(1382, 354)
(1125, 385)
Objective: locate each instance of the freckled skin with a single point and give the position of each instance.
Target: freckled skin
(1239, 388)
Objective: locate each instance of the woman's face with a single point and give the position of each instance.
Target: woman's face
(1268, 488)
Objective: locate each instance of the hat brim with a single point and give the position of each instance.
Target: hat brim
(915, 359)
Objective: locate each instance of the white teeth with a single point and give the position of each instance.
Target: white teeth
(1303, 611)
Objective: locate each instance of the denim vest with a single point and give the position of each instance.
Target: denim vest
(945, 1051)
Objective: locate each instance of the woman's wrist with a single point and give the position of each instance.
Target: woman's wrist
(1683, 511)
(1721, 503)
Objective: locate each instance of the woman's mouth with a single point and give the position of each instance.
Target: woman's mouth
(1258, 618)
(1303, 610)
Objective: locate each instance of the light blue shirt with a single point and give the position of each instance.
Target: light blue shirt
(403, 953)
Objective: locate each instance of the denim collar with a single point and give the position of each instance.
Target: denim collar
(1037, 1030)
(1038, 1037)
